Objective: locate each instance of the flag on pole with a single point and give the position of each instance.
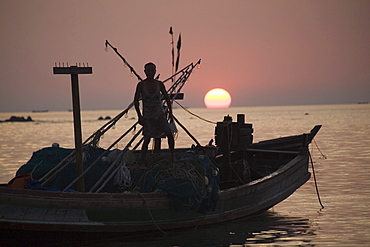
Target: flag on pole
(172, 53)
(178, 52)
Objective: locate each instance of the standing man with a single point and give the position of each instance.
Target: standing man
(153, 117)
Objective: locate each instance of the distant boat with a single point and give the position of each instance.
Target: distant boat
(40, 110)
(363, 102)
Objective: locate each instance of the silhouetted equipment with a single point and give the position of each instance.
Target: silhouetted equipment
(233, 135)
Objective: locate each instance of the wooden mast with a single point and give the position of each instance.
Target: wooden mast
(74, 71)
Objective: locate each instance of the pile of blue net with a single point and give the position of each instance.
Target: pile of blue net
(191, 183)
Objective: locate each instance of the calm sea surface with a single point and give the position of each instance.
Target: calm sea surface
(341, 153)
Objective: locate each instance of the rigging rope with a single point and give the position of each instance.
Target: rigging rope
(195, 115)
(322, 155)
(151, 215)
(316, 186)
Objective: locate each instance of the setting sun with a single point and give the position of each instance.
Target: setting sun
(217, 98)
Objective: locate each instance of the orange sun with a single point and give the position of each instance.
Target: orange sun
(217, 98)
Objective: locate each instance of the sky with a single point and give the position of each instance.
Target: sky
(263, 52)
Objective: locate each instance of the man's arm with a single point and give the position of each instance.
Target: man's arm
(167, 98)
(136, 101)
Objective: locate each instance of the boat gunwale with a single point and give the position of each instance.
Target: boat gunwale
(133, 196)
(153, 201)
(263, 182)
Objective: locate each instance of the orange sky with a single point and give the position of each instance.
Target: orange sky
(263, 52)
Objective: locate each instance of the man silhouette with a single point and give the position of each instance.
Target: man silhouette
(153, 117)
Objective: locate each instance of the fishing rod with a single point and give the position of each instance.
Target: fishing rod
(132, 70)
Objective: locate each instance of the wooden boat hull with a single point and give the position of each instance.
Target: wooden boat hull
(291, 143)
(133, 212)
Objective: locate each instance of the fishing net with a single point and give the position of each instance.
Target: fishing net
(44, 160)
(191, 183)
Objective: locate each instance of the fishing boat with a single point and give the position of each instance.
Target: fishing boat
(227, 179)
(274, 175)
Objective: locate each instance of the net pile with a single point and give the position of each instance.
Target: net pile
(192, 182)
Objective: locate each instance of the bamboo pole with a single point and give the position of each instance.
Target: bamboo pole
(187, 132)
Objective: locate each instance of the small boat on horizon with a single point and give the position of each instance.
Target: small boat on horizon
(40, 110)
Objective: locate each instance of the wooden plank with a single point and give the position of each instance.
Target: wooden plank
(179, 96)
(72, 70)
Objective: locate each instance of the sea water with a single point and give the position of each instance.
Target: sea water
(341, 155)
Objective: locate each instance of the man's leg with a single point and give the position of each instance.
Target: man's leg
(144, 150)
(171, 144)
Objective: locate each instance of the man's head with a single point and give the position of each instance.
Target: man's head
(150, 70)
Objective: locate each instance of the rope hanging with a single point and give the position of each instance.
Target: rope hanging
(316, 186)
(322, 155)
(313, 171)
(195, 115)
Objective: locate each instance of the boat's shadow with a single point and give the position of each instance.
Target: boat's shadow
(267, 228)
